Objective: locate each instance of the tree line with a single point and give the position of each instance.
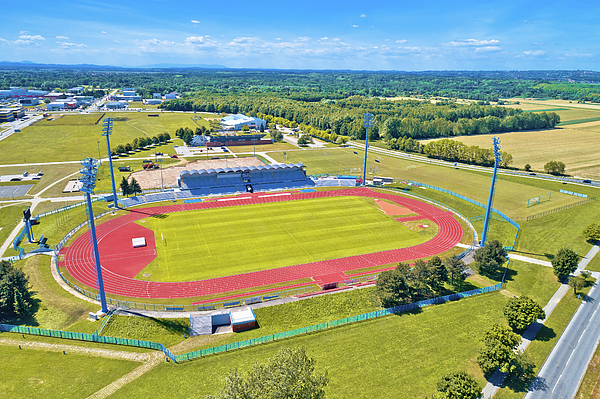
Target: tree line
(140, 142)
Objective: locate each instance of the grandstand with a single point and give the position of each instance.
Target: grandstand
(243, 179)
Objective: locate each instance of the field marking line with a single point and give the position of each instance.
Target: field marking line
(135, 127)
(233, 199)
(273, 195)
(204, 239)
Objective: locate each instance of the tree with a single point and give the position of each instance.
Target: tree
(577, 283)
(555, 168)
(438, 273)
(15, 296)
(276, 135)
(527, 167)
(125, 188)
(289, 374)
(134, 187)
(392, 286)
(456, 268)
(521, 311)
(458, 385)
(498, 350)
(592, 232)
(565, 262)
(490, 258)
(303, 140)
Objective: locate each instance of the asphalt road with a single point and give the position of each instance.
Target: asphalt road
(564, 369)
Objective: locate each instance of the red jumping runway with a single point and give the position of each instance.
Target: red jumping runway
(120, 262)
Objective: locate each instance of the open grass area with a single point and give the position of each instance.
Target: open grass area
(511, 196)
(527, 279)
(399, 356)
(52, 173)
(241, 239)
(74, 137)
(262, 148)
(55, 227)
(10, 216)
(40, 374)
(165, 331)
(54, 307)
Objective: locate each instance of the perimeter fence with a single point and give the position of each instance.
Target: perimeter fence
(87, 337)
(332, 324)
(479, 204)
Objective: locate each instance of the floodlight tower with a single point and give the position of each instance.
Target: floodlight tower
(367, 122)
(107, 131)
(497, 160)
(88, 178)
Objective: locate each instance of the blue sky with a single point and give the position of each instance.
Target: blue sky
(377, 35)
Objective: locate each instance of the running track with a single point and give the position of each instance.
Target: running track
(79, 258)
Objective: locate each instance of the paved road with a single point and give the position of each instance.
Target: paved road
(565, 367)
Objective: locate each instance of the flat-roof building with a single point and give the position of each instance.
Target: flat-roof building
(21, 92)
(116, 105)
(6, 115)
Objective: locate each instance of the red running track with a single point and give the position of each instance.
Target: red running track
(118, 279)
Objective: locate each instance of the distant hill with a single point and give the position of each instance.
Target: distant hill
(29, 64)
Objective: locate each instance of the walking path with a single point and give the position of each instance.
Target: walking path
(530, 260)
(496, 380)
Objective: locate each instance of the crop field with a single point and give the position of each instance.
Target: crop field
(512, 195)
(218, 242)
(74, 137)
(576, 147)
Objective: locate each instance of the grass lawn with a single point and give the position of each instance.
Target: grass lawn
(10, 216)
(30, 373)
(527, 279)
(589, 388)
(594, 264)
(262, 148)
(74, 137)
(511, 196)
(165, 331)
(400, 356)
(52, 173)
(241, 239)
(546, 338)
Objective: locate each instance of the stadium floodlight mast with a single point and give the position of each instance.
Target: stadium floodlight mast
(88, 180)
(497, 160)
(107, 131)
(367, 123)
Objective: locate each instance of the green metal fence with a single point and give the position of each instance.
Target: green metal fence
(331, 324)
(87, 337)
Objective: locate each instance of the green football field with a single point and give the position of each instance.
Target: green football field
(210, 243)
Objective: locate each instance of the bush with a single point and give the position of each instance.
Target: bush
(592, 232)
(520, 312)
(565, 262)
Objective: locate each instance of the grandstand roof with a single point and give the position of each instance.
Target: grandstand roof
(194, 172)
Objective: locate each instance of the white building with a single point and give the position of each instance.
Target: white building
(235, 122)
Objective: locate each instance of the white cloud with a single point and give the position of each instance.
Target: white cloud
(23, 32)
(363, 15)
(304, 38)
(71, 45)
(401, 41)
(116, 41)
(195, 22)
(487, 48)
(472, 42)
(278, 38)
(354, 26)
(324, 38)
(29, 37)
(103, 32)
(62, 37)
(536, 52)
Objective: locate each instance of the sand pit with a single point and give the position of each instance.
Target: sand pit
(392, 209)
(152, 178)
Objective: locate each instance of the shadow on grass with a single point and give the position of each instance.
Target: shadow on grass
(28, 320)
(545, 334)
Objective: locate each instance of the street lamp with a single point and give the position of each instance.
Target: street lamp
(367, 123)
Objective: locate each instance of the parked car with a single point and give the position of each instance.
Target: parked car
(174, 156)
(587, 181)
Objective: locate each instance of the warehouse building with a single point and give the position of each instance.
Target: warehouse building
(235, 122)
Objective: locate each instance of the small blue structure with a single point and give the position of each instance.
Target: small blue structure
(497, 160)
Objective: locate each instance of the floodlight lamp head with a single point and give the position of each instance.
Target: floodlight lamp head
(497, 147)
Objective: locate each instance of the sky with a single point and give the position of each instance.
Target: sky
(376, 35)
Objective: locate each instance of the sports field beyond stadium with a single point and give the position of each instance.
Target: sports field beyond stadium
(121, 263)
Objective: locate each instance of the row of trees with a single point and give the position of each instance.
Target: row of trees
(130, 188)
(141, 142)
(424, 280)
(455, 151)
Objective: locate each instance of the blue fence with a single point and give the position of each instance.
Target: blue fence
(575, 194)
(334, 323)
(471, 201)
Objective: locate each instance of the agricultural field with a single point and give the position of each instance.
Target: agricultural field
(74, 137)
(271, 235)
